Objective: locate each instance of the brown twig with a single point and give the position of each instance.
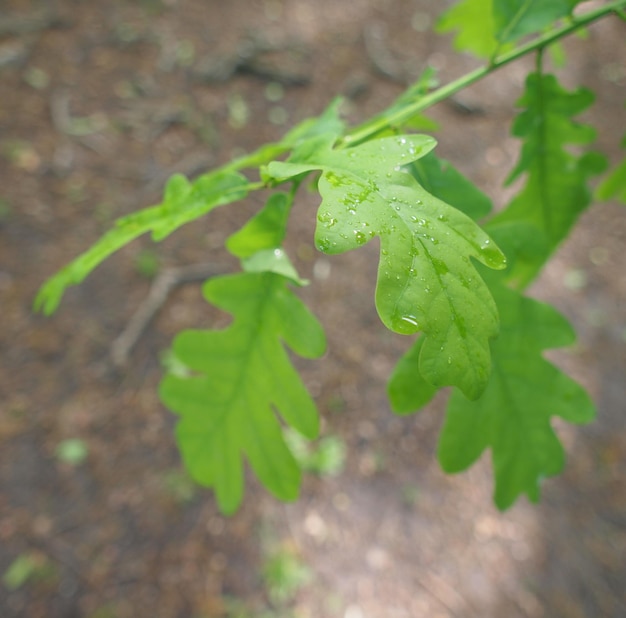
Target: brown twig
(159, 292)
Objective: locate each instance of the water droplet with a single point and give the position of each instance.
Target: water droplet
(360, 238)
(449, 360)
(323, 244)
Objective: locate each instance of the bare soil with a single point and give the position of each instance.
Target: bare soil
(99, 103)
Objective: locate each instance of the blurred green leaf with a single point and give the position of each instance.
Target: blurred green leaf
(73, 451)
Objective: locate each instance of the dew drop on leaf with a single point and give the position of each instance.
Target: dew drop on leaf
(360, 238)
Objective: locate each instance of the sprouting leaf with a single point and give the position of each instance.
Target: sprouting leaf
(513, 415)
(183, 202)
(426, 281)
(475, 22)
(556, 190)
(514, 19)
(240, 377)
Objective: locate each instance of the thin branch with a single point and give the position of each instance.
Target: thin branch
(158, 295)
(385, 120)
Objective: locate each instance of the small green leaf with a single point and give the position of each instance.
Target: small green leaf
(240, 376)
(513, 415)
(475, 22)
(426, 281)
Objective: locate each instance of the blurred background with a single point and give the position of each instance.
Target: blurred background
(100, 102)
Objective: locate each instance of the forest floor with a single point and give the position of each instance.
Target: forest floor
(100, 102)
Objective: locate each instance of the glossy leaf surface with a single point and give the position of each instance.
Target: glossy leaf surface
(426, 281)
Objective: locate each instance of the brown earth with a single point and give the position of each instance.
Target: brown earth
(99, 103)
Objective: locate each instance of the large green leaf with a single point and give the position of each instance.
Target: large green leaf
(556, 189)
(239, 377)
(183, 202)
(517, 18)
(426, 280)
(513, 415)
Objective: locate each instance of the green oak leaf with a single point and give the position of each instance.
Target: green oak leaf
(239, 378)
(514, 18)
(407, 389)
(474, 21)
(426, 280)
(556, 189)
(513, 416)
(183, 202)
